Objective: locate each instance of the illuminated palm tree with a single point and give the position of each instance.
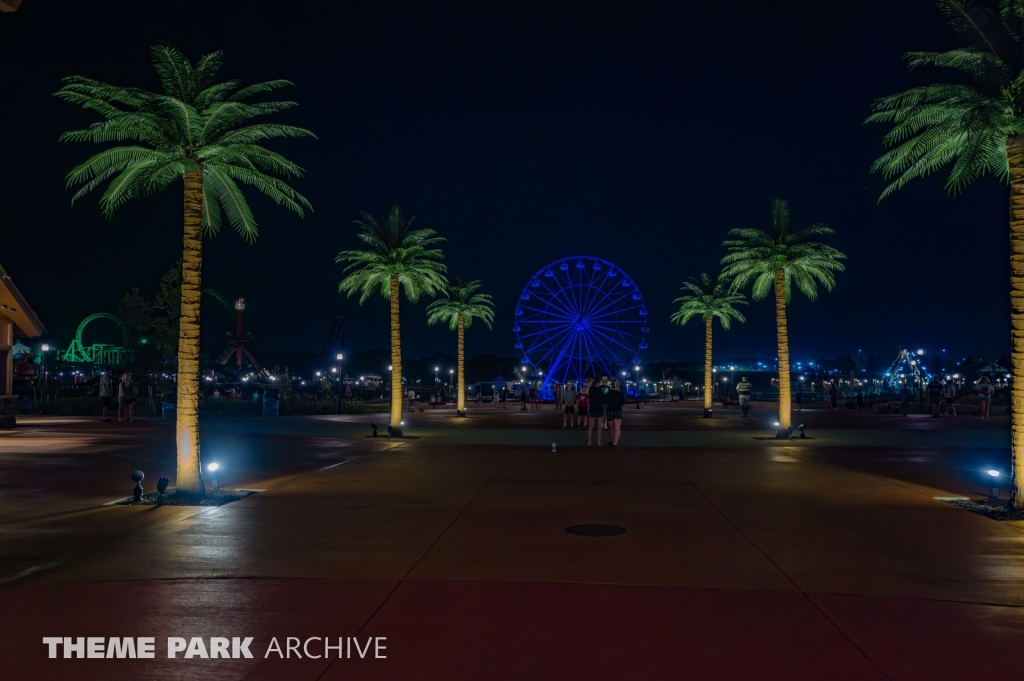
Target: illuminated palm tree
(458, 308)
(708, 298)
(198, 130)
(397, 256)
(973, 124)
(778, 259)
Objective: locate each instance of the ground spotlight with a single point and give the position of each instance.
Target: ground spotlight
(213, 468)
(994, 480)
(801, 429)
(138, 476)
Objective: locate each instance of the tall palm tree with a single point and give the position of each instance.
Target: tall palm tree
(779, 258)
(707, 298)
(199, 130)
(975, 124)
(460, 305)
(397, 256)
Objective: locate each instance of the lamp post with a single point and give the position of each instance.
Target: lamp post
(42, 403)
(451, 382)
(636, 382)
(391, 375)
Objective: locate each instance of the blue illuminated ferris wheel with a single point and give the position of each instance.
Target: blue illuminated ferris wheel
(580, 317)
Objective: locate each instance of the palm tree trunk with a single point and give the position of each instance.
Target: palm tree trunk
(785, 393)
(708, 384)
(461, 404)
(1015, 158)
(396, 360)
(190, 470)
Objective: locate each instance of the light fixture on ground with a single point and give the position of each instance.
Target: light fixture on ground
(374, 426)
(994, 480)
(214, 468)
(138, 477)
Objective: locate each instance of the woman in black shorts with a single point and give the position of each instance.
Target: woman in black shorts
(595, 401)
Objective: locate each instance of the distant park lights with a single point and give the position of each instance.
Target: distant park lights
(340, 357)
(390, 368)
(46, 347)
(334, 370)
(994, 473)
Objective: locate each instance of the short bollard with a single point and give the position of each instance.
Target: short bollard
(138, 477)
(161, 487)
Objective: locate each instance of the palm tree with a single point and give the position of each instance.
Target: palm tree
(397, 256)
(708, 298)
(780, 258)
(975, 124)
(458, 308)
(199, 130)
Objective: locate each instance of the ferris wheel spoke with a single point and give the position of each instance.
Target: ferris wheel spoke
(552, 339)
(549, 303)
(599, 339)
(616, 341)
(547, 330)
(610, 303)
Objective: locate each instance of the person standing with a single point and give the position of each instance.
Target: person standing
(534, 405)
(935, 396)
(860, 401)
(126, 398)
(949, 394)
(800, 398)
(558, 396)
(504, 397)
(522, 396)
(605, 387)
(985, 390)
(833, 397)
(905, 394)
(569, 400)
(106, 391)
(583, 405)
(595, 409)
(743, 390)
(614, 402)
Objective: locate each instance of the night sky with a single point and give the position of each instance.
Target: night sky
(638, 134)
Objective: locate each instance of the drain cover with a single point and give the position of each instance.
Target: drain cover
(595, 530)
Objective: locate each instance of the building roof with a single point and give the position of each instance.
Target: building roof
(13, 306)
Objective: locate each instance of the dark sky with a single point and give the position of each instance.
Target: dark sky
(522, 134)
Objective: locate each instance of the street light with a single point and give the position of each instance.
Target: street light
(451, 382)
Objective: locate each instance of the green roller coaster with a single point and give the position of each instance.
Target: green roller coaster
(98, 353)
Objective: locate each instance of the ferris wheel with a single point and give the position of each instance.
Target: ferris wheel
(580, 317)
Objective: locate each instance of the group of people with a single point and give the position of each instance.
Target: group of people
(127, 394)
(596, 404)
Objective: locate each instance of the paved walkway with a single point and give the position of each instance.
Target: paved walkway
(827, 558)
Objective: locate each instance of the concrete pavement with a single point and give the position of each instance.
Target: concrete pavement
(742, 556)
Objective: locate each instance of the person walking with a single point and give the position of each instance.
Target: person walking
(595, 409)
(615, 400)
(949, 395)
(126, 396)
(833, 397)
(569, 400)
(985, 390)
(935, 396)
(106, 392)
(583, 405)
(905, 394)
(743, 390)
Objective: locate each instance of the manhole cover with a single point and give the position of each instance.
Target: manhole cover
(596, 530)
